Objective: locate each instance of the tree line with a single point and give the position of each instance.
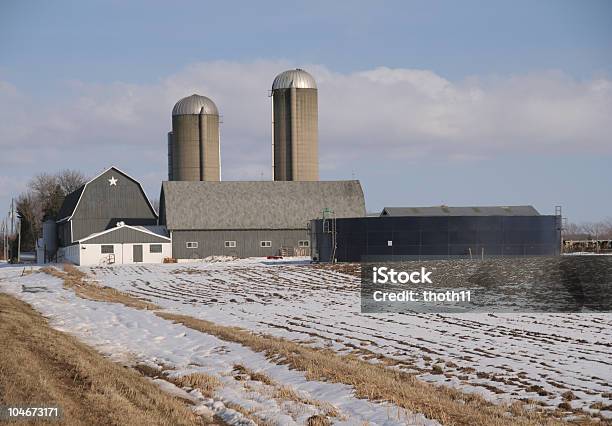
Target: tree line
(43, 199)
(601, 230)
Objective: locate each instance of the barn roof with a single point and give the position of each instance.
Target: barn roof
(128, 234)
(461, 211)
(71, 202)
(257, 204)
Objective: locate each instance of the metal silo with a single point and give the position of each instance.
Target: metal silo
(193, 144)
(295, 127)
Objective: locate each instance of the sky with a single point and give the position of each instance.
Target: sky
(425, 102)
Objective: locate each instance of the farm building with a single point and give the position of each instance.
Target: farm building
(122, 244)
(247, 219)
(111, 205)
(437, 232)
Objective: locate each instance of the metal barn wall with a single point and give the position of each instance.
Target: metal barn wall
(212, 243)
(295, 118)
(102, 206)
(63, 234)
(195, 147)
(438, 237)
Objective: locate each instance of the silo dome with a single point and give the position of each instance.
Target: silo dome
(297, 78)
(195, 104)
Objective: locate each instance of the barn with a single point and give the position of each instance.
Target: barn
(123, 244)
(251, 219)
(110, 220)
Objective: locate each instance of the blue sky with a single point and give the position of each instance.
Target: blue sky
(469, 102)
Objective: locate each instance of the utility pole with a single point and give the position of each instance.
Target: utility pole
(19, 242)
(4, 239)
(12, 213)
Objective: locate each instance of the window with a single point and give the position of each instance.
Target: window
(107, 248)
(191, 244)
(303, 243)
(230, 244)
(265, 244)
(155, 248)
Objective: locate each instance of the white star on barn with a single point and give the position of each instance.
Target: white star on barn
(112, 181)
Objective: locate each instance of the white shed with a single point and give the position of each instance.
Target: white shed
(123, 244)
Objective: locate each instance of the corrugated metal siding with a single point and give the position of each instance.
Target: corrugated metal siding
(84, 228)
(125, 235)
(63, 233)
(438, 236)
(212, 243)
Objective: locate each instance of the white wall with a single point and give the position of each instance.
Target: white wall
(91, 254)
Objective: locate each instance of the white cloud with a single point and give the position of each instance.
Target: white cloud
(399, 114)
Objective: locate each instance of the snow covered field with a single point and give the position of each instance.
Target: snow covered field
(550, 358)
(134, 336)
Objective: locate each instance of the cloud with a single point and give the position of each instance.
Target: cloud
(401, 115)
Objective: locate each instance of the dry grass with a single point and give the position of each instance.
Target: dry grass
(317, 420)
(253, 375)
(286, 393)
(43, 366)
(205, 383)
(370, 381)
(353, 269)
(76, 280)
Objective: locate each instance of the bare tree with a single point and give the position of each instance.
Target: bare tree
(29, 212)
(70, 180)
(601, 230)
(44, 198)
(43, 185)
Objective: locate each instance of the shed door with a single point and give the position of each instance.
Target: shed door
(137, 253)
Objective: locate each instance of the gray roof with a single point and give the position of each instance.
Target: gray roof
(256, 205)
(71, 202)
(125, 234)
(155, 229)
(461, 211)
(195, 104)
(297, 78)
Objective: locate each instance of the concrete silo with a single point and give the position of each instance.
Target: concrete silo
(295, 126)
(193, 144)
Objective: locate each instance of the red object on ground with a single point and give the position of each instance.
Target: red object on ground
(275, 257)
